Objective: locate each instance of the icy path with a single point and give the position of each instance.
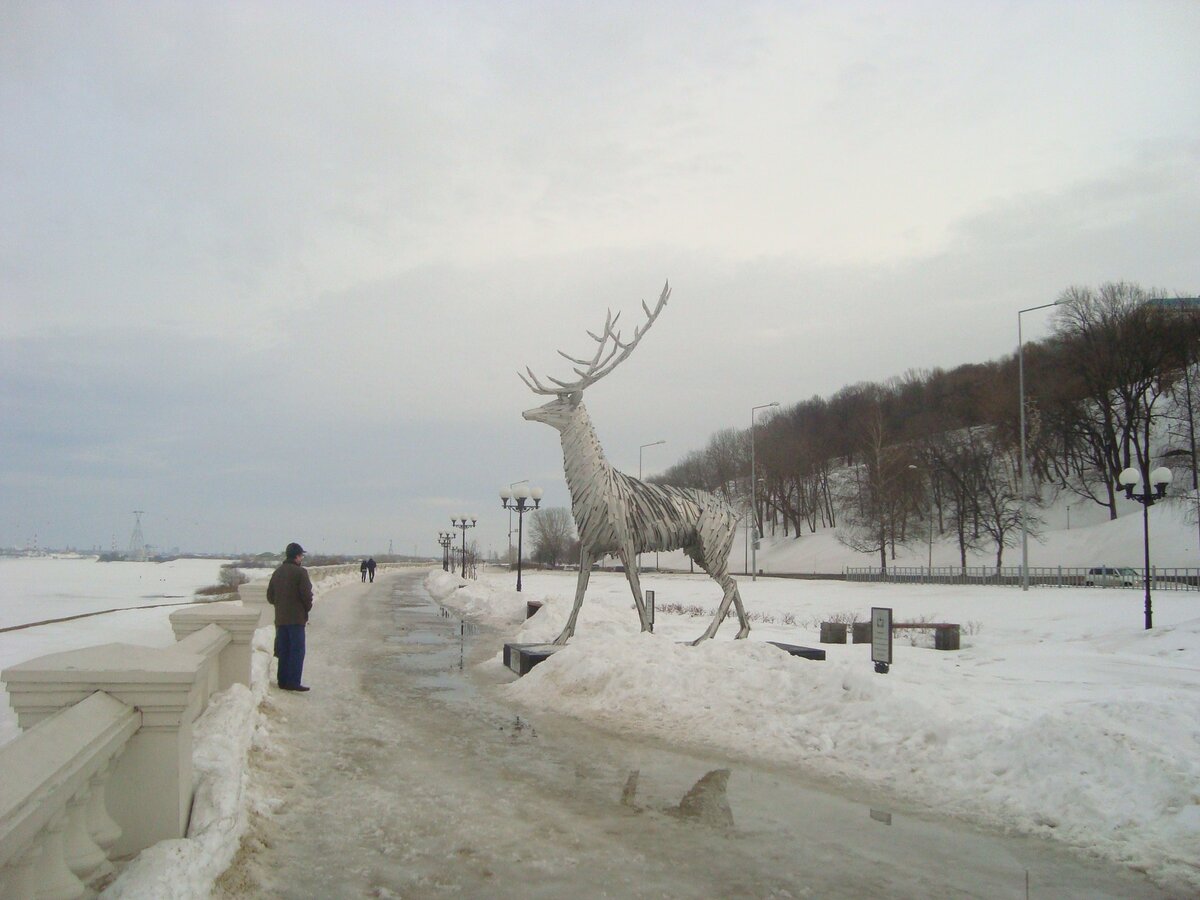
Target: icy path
(400, 775)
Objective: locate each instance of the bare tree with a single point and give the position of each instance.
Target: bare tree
(552, 532)
(875, 506)
(1126, 352)
(999, 497)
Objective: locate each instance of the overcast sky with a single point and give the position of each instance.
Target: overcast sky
(268, 270)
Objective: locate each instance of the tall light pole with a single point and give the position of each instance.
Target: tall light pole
(460, 521)
(1024, 456)
(518, 498)
(754, 494)
(512, 485)
(1146, 491)
(929, 513)
(640, 449)
(445, 538)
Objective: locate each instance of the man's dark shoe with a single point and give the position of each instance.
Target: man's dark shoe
(294, 687)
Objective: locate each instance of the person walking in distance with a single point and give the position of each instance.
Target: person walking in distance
(371, 569)
(290, 592)
(362, 570)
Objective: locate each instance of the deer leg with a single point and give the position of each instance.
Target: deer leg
(744, 630)
(585, 572)
(731, 592)
(716, 548)
(629, 560)
(731, 595)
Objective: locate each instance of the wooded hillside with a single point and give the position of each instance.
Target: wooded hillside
(1112, 387)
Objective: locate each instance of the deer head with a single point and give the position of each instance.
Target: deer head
(611, 351)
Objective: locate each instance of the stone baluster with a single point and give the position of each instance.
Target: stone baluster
(101, 827)
(53, 878)
(18, 880)
(84, 856)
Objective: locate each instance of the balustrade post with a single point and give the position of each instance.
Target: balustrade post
(253, 595)
(149, 793)
(233, 664)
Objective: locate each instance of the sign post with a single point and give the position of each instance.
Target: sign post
(881, 638)
(650, 609)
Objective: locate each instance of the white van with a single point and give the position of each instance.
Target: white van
(1106, 576)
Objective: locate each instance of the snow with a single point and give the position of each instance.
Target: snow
(1060, 716)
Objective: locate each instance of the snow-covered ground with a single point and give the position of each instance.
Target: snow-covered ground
(1060, 716)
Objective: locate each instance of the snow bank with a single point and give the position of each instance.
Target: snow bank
(1060, 717)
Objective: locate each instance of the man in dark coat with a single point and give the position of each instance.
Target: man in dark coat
(290, 592)
(362, 568)
(371, 569)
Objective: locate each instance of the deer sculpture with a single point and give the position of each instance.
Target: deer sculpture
(622, 516)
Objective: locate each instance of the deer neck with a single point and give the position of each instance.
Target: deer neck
(583, 457)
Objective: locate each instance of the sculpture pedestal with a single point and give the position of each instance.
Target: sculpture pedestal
(523, 657)
(797, 650)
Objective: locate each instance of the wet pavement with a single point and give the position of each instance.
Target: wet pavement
(405, 774)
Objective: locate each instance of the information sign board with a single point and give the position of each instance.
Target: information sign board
(650, 608)
(881, 637)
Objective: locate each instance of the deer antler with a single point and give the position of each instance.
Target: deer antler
(607, 356)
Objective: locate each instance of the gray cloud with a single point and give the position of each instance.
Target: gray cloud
(269, 271)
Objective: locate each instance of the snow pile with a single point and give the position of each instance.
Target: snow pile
(487, 604)
(1060, 717)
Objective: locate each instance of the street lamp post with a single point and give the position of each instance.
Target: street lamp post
(512, 485)
(754, 494)
(1024, 456)
(444, 539)
(640, 449)
(1146, 491)
(518, 498)
(929, 513)
(460, 521)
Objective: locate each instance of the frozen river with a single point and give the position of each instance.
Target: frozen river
(404, 774)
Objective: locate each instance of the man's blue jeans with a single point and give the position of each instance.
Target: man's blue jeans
(289, 647)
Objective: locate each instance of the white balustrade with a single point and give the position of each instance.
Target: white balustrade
(47, 845)
(104, 766)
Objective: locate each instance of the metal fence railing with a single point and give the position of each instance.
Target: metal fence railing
(1162, 579)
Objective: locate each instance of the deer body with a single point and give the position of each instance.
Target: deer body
(623, 516)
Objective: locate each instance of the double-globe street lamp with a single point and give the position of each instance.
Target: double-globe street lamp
(444, 539)
(516, 500)
(460, 521)
(1146, 491)
(511, 485)
(754, 495)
